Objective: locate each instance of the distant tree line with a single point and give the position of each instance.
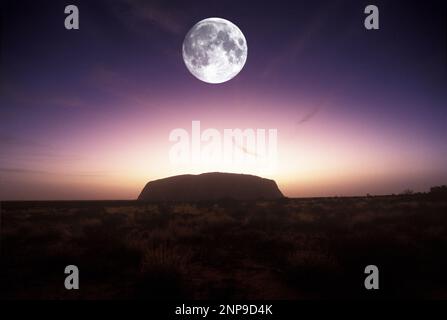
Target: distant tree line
(436, 193)
(439, 190)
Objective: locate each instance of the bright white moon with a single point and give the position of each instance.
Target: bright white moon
(215, 50)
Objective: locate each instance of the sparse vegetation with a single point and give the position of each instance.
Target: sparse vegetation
(285, 249)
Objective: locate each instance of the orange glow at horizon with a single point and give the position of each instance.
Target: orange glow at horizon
(325, 156)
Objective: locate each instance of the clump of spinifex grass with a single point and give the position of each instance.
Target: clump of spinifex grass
(163, 269)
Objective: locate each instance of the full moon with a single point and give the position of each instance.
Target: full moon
(215, 50)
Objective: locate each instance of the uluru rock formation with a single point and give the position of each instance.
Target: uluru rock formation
(211, 186)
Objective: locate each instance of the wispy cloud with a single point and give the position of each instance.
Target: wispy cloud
(309, 115)
(324, 102)
(26, 96)
(115, 84)
(9, 140)
(22, 156)
(16, 148)
(22, 171)
(86, 174)
(301, 41)
(135, 14)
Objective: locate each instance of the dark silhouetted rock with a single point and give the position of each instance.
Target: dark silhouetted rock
(211, 186)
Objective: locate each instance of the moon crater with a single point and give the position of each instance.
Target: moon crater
(215, 50)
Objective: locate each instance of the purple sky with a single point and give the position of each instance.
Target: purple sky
(86, 114)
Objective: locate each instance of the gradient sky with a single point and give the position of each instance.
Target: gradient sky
(86, 114)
